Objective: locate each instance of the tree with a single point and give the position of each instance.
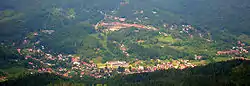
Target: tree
(163, 57)
(120, 69)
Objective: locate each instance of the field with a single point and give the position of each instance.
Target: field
(168, 39)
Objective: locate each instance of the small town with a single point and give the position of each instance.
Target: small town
(69, 65)
(72, 65)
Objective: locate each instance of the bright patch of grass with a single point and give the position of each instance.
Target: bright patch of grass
(217, 59)
(165, 39)
(197, 62)
(177, 47)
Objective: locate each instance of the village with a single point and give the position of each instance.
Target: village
(75, 66)
(71, 66)
(237, 51)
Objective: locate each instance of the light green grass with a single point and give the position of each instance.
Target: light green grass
(165, 39)
(217, 59)
(177, 47)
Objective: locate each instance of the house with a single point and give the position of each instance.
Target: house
(25, 41)
(198, 57)
(117, 63)
(141, 11)
(26, 57)
(242, 58)
(76, 63)
(65, 74)
(136, 30)
(30, 63)
(18, 50)
(228, 52)
(245, 51)
(48, 31)
(165, 25)
(75, 59)
(141, 68)
(123, 48)
(35, 33)
(122, 19)
(140, 41)
(154, 12)
(116, 18)
(30, 49)
(123, 3)
(162, 33)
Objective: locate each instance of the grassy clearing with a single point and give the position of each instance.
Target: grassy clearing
(165, 39)
(197, 62)
(177, 47)
(218, 59)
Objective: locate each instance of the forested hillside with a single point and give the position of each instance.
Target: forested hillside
(208, 14)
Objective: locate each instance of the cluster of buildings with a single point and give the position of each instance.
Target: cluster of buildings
(163, 33)
(197, 57)
(121, 19)
(124, 50)
(114, 26)
(140, 41)
(239, 49)
(187, 29)
(138, 67)
(116, 64)
(159, 65)
(119, 23)
(74, 66)
(139, 12)
(124, 2)
(48, 31)
(64, 65)
(228, 52)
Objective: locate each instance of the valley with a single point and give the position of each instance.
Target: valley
(123, 41)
